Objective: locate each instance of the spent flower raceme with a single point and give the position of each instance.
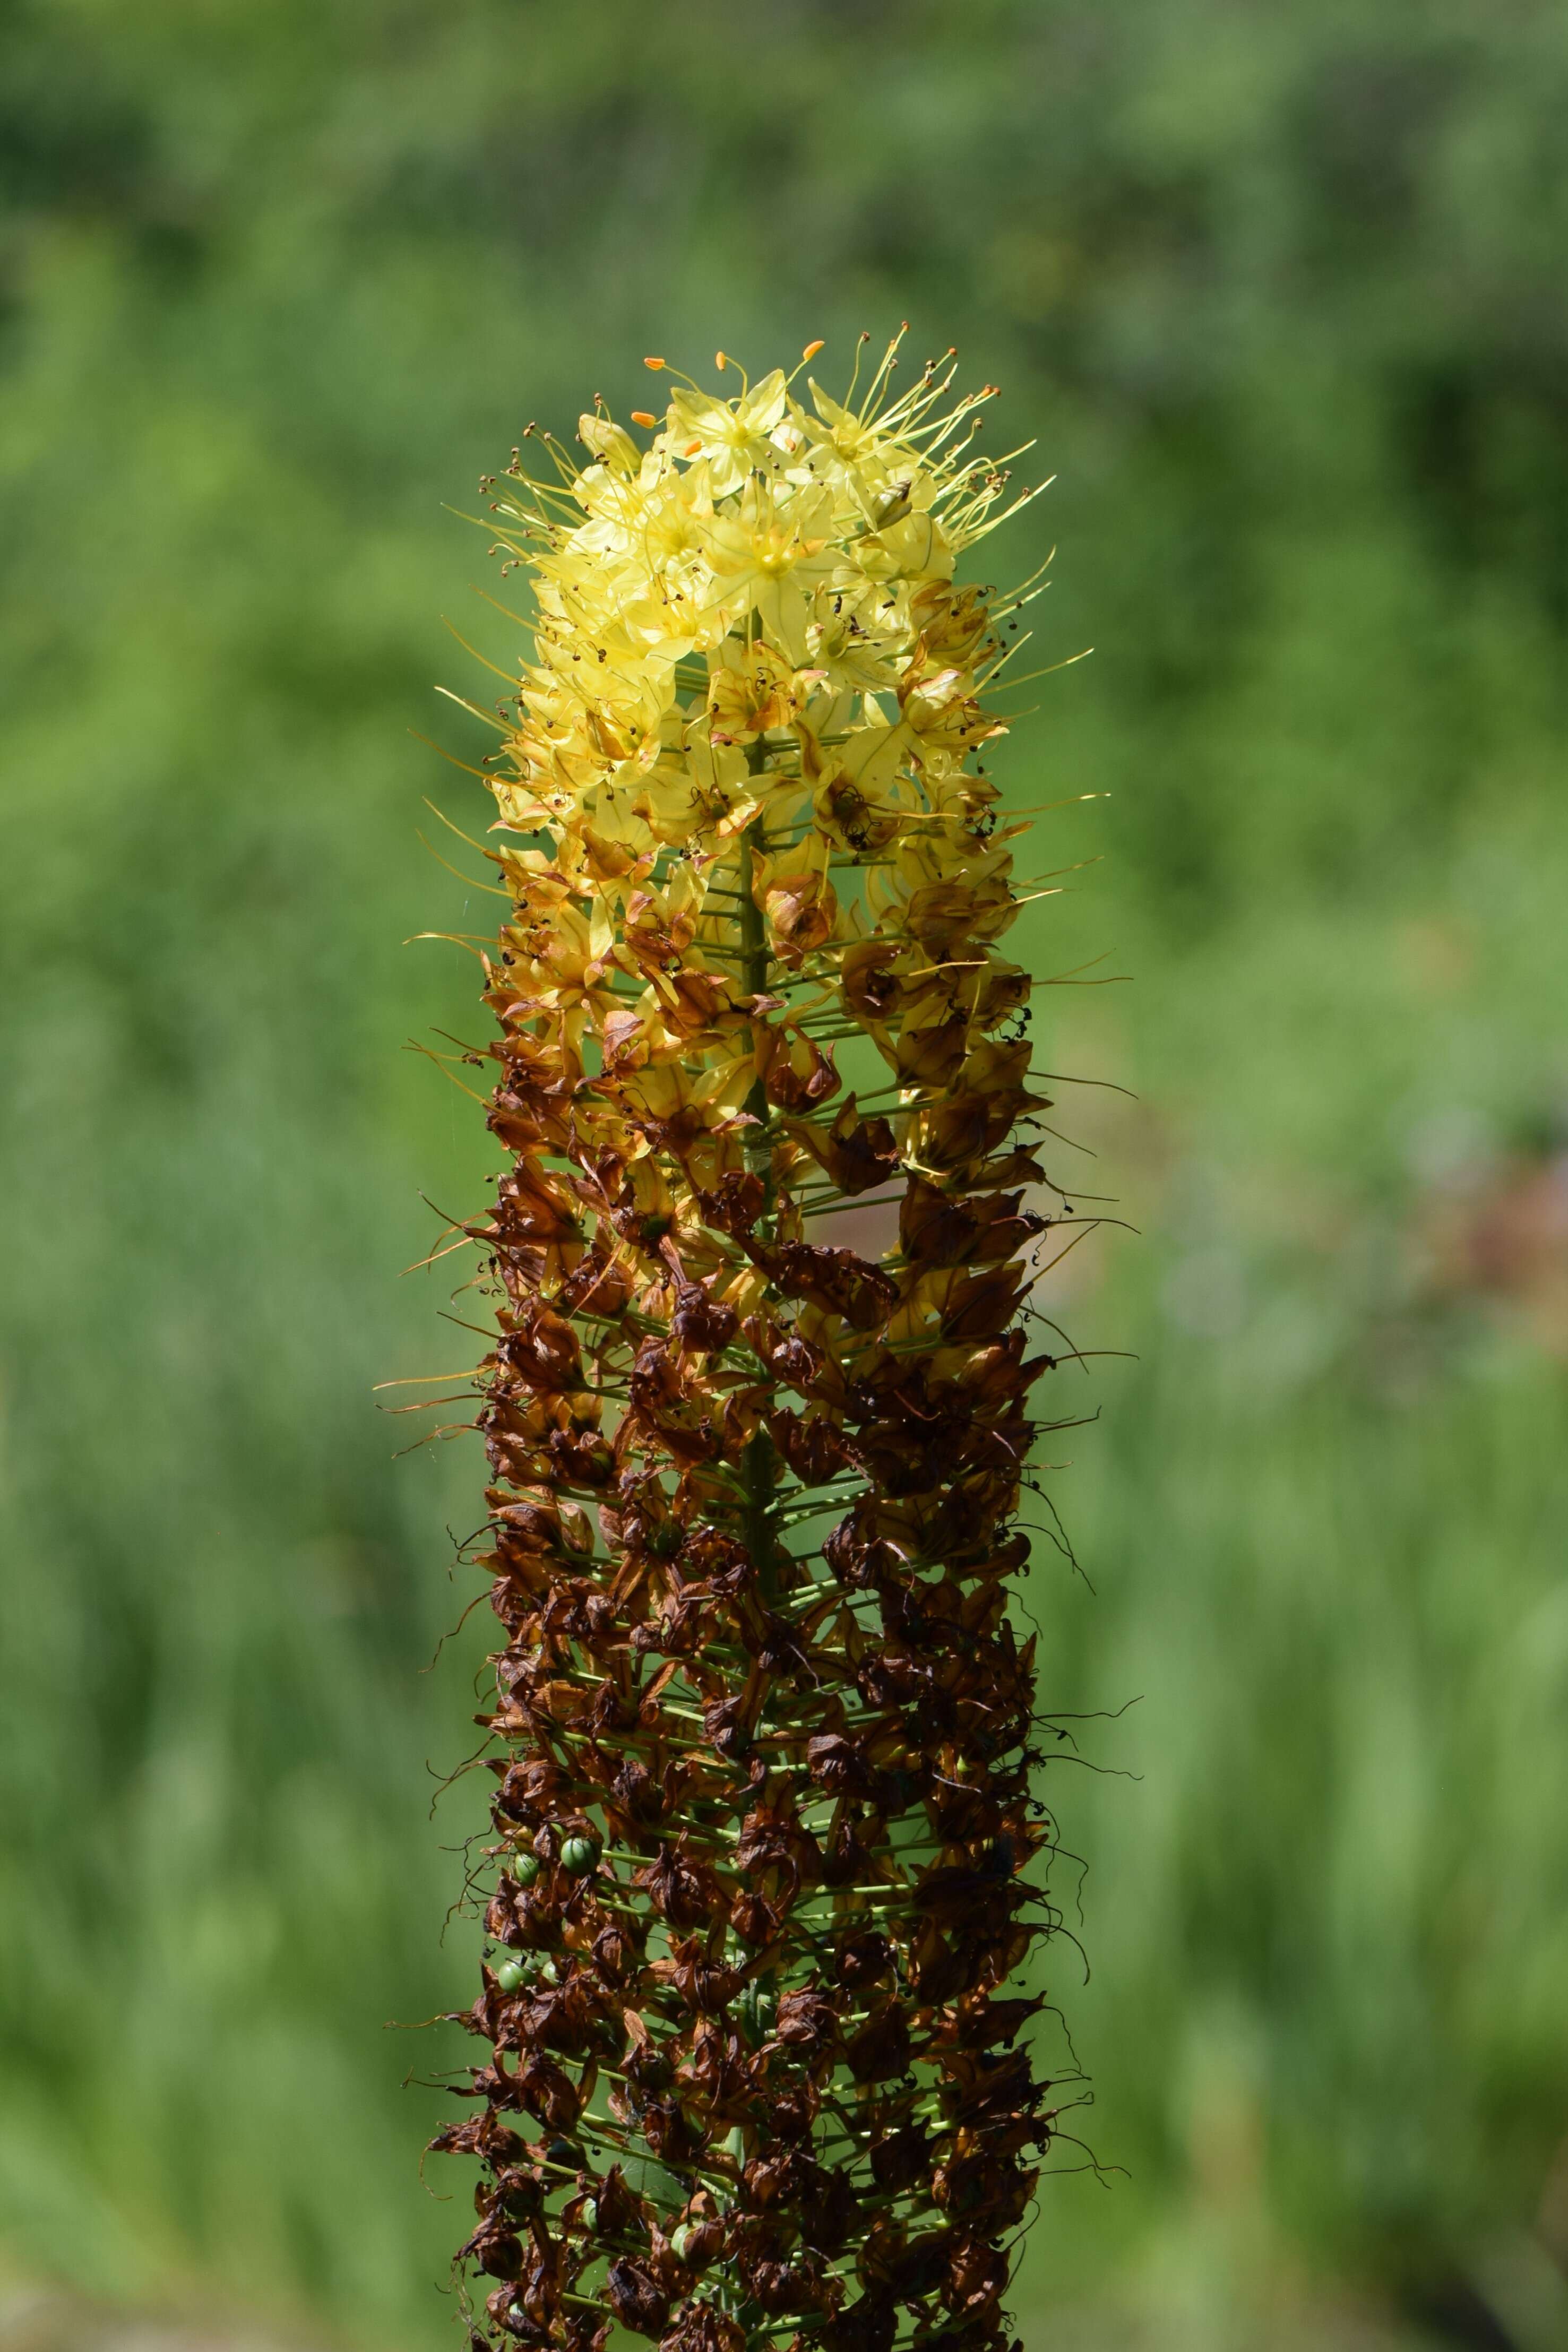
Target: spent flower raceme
(764, 1725)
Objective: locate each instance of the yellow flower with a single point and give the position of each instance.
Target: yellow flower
(750, 690)
(730, 434)
(772, 554)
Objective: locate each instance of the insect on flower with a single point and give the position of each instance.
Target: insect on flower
(762, 1725)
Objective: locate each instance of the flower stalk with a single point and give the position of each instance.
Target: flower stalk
(764, 1724)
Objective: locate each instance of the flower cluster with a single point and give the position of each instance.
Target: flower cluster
(764, 1724)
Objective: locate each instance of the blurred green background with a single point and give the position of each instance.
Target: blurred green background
(1279, 288)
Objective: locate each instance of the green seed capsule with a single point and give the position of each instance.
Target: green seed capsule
(509, 1974)
(580, 1856)
(680, 2240)
(522, 1867)
(591, 2214)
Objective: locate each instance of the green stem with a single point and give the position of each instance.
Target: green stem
(759, 1467)
(757, 1517)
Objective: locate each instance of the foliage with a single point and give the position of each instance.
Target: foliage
(1281, 285)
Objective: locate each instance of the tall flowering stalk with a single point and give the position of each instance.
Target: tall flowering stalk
(762, 1725)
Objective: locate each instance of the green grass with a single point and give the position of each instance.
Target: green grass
(1277, 290)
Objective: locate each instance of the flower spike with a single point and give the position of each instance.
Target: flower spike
(764, 1725)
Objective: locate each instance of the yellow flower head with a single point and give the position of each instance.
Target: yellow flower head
(809, 542)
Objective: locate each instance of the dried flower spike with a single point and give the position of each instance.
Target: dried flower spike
(763, 1725)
